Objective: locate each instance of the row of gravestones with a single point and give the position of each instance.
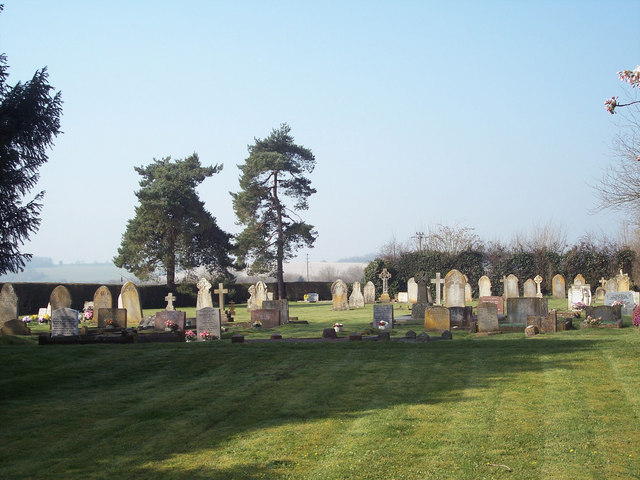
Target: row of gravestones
(357, 299)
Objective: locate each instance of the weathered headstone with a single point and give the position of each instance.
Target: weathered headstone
(251, 301)
(369, 292)
(261, 294)
(162, 317)
(60, 298)
(385, 276)
(339, 295)
(600, 293)
(437, 318)
(208, 320)
(101, 299)
(131, 302)
(578, 294)
(608, 313)
(64, 322)
(438, 282)
(356, 299)
(117, 315)
(383, 313)
(281, 305)
(204, 294)
(462, 318)
(520, 308)
(487, 317)
(313, 297)
(496, 300)
(403, 297)
(611, 286)
(169, 299)
(454, 283)
(625, 297)
(511, 287)
(412, 290)
(558, 286)
(468, 294)
(579, 280)
(484, 286)
(8, 303)
(529, 288)
(623, 282)
(268, 318)
(545, 323)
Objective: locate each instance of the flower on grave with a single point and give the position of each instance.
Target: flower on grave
(44, 318)
(26, 319)
(616, 303)
(592, 321)
(88, 313)
(206, 335)
(190, 335)
(109, 322)
(171, 325)
(382, 324)
(578, 306)
(257, 324)
(337, 325)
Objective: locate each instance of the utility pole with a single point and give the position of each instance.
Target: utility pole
(419, 236)
(307, 268)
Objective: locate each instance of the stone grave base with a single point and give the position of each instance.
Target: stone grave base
(118, 337)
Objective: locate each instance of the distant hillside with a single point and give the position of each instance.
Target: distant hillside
(44, 270)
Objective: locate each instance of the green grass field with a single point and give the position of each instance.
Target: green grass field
(557, 406)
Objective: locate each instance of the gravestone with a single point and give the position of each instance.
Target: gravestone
(169, 299)
(608, 313)
(64, 322)
(529, 289)
(484, 286)
(423, 299)
(356, 299)
(251, 301)
(118, 315)
(221, 291)
(438, 282)
(578, 294)
(131, 302)
(269, 295)
(518, 309)
(60, 298)
(538, 279)
(208, 320)
(611, 286)
(8, 304)
(162, 317)
(497, 301)
(454, 283)
(403, 297)
(369, 293)
(261, 294)
(462, 318)
(204, 294)
(558, 287)
(625, 297)
(600, 293)
(544, 323)
(487, 317)
(281, 305)
(511, 287)
(101, 299)
(437, 318)
(339, 295)
(383, 313)
(623, 282)
(412, 290)
(268, 318)
(579, 280)
(313, 297)
(385, 276)
(468, 295)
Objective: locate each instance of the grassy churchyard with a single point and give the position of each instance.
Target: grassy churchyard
(557, 406)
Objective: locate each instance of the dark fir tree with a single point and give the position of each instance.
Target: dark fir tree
(29, 121)
(171, 228)
(273, 189)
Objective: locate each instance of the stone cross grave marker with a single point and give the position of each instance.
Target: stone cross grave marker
(538, 279)
(169, 299)
(603, 282)
(204, 294)
(221, 291)
(424, 293)
(385, 276)
(438, 282)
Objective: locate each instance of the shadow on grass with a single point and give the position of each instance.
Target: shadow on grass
(156, 402)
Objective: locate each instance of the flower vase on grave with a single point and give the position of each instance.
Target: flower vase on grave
(337, 327)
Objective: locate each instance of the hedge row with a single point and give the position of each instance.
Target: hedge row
(33, 296)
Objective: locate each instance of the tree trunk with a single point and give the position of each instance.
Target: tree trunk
(279, 240)
(171, 263)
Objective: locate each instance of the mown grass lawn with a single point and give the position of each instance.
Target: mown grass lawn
(563, 405)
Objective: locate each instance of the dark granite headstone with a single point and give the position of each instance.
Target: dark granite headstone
(64, 322)
(609, 314)
(208, 320)
(60, 298)
(118, 315)
(410, 334)
(180, 318)
(625, 297)
(487, 317)
(496, 300)
(520, 308)
(383, 313)
(268, 318)
(329, 333)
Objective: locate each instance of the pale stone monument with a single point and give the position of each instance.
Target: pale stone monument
(221, 291)
(611, 286)
(529, 288)
(339, 295)
(579, 280)
(412, 290)
(101, 299)
(131, 302)
(204, 294)
(60, 298)
(261, 294)
(208, 320)
(437, 318)
(468, 294)
(438, 282)
(356, 299)
(169, 299)
(385, 276)
(454, 283)
(623, 282)
(538, 279)
(251, 301)
(8, 304)
(484, 286)
(558, 286)
(511, 286)
(369, 292)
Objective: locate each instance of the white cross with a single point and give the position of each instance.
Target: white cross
(437, 282)
(170, 298)
(221, 291)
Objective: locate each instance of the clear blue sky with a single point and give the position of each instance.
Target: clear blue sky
(480, 114)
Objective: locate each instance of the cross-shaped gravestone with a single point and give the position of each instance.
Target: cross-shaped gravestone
(538, 280)
(602, 282)
(221, 291)
(385, 276)
(169, 299)
(424, 293)
(438, 281)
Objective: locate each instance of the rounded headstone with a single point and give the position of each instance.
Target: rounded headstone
(60, 298)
